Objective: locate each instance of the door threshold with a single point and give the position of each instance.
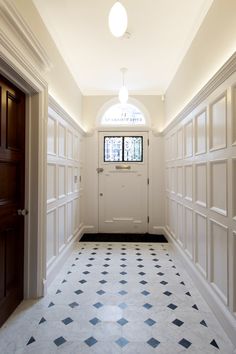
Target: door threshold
(101, 237)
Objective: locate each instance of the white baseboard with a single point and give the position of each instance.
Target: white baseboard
(90, 229)
(225, 318)
(157, 230)
(60, 260)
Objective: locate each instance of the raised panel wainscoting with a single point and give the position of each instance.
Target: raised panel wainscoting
(201, 182)
(65, 166)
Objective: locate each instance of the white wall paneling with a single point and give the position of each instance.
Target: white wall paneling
(201, 242)
(218, 123)
(64, 190)
(218, 183)
(201, 184)
(204, 196)
(201, 133)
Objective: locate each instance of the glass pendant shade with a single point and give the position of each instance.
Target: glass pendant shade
(118, 19)
(123, 95)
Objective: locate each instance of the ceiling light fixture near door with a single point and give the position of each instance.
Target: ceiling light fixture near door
(118, 19)
(123, 93)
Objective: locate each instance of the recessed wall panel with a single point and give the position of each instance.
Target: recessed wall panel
(180, 181)
(61, 181)
(69, 144)
(219, 259)
(188, 133)
(201, 184)
(76, 148)
(200, 133)
(218, 124)
(189, 231)
(61, 226)
(218, 180)
(75, 215)
(188, 182)
(61, 140)
(52, 136)
(51, 235)
(69, 220)
(234, 186)
(201, 243)
(180, 143)
(51, 183)
(180, 223)
(173, 219)
(69, 179)
(76, 179)
(234, 117)
(173, 180)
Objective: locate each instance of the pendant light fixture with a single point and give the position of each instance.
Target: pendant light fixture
(118, 19)
(123, 93)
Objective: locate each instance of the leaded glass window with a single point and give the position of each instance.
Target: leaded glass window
(123, 149)
(123, 114)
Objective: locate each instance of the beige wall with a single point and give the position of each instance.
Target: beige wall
(60, 81)
(214, 43)
(93, 104)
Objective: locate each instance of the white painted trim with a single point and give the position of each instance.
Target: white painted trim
(89, 229)
(61, 258)
(225, 318)
(14, 20)
(223, 74)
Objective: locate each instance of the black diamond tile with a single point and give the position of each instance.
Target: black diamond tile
(145, 293)
(160, 273)
(73, 305)
(143, 282)
(157, 266)
(103, 281)
(151, 249)
(188, 293)
(93, 253)
(195, 307)
(89, 265)
(108, 253)
(167, 293)
(122, 321)
(138, 254)
(172, 306)
(123, 273)
(153, 254)
(98, 305)
(59, 341)
(178, 275)
(42, 320)
(90, 341)
(123, 265)
(141, 273)
(182, 283)
(31, 340)
(147, 306)
(86, 272)
(58, 291)
(213, 342)
(123, 259)
(123, 292)
(139, 259)
(150, 322)
(123, 249)
(203, 323)
(163, 282)
(100, 292)
(122, 342)
(64, 281)
(137, 249)
(140, 266)
(91, 259)
(51, 304)
(153, 342)
(178, 322)
(106, 265)
(123, 253)
(104, 273)
(73, 265)
(94, 321)
(78, 292)
(67, 320)
(155, 260)
(69, 272)
(123, 305)
(82, 281)
(185, 343)
(123, 282)
(107, 259)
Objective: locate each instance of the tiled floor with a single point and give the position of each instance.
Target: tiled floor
(116, 298)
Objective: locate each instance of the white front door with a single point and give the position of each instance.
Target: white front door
(123, 182)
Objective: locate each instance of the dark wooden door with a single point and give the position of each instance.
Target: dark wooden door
(12, 180)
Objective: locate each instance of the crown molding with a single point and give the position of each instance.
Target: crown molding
(16, 25)
(56, 107)
(221, 75)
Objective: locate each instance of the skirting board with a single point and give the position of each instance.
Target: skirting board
(224, 317)
(59, 262)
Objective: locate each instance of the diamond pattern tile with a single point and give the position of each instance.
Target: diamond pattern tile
(153, 342)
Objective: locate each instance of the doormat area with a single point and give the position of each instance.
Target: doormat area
(123, 238)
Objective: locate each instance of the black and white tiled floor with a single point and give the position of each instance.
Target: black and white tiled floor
(116, 298)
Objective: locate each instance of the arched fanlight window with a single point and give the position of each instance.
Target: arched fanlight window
(123, 114)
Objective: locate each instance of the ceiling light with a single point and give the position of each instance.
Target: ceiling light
(123, 93)
(118, 19)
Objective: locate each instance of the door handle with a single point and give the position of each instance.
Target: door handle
(100, 170)
(123, 167)
(22, 212)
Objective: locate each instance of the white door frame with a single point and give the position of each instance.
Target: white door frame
(19, 68)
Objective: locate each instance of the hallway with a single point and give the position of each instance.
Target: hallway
(116, 298)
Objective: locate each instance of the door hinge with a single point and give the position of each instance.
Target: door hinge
(148, 181)
(148, 219)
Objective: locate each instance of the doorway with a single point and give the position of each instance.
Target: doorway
(123, 182)
(12, 195)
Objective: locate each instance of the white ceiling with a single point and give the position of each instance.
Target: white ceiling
(161, 32)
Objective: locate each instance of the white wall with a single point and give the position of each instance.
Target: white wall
(200, 175)
(65, 179)
(214, 43)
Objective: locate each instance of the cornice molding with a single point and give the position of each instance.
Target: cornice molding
(222, 75)
(20, 30)
(56, 107)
